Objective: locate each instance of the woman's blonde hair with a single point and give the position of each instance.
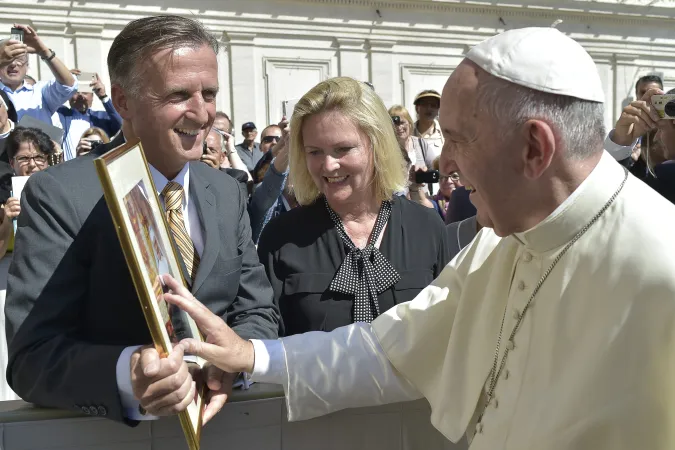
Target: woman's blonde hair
(95, 130)
(399, 110)
(358, 102)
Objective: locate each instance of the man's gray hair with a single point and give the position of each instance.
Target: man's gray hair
(580, 123)
(144, 37)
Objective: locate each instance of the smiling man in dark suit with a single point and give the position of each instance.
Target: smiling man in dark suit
(78, 338)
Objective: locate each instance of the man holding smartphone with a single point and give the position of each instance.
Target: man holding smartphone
(80, 117)
(44, 98)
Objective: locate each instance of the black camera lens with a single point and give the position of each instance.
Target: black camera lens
(669, 109)
(396, 120)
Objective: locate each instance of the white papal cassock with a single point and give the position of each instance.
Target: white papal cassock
(593, 367)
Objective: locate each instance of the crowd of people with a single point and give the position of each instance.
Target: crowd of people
(321, 222)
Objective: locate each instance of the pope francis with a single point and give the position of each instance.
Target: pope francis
(555, 328)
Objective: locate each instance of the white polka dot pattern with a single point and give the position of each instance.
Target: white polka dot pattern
(365, 273)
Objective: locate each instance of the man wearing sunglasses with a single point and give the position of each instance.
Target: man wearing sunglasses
(269, 137)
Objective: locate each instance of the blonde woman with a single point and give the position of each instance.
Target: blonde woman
(90, 139)
(417, 148)
(353, 249)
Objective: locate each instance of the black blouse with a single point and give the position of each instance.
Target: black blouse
(301, 251)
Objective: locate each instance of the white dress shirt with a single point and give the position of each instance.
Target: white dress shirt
(590, 367)
(78, 125)
(618, 152)
(193, 227)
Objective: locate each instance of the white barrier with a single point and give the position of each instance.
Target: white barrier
(253, 420)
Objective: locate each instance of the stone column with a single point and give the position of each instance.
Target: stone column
(242, 69)
(383, 74)
(352, 58)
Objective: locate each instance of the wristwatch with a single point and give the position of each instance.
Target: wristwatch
(50, 57)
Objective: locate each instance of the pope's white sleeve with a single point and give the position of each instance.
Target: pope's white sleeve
(619, 152)
(326, 372)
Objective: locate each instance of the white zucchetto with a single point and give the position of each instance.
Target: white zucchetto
(543, 59)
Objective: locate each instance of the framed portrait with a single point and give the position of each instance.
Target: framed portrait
(143, 232)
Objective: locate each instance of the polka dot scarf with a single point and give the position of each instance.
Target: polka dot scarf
(365, 273)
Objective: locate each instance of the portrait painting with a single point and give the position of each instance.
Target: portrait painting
(150, 252)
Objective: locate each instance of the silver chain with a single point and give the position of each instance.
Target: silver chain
(496, 373)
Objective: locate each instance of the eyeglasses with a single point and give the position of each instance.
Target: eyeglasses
(39, 160)
(454, 176)
(269, 139)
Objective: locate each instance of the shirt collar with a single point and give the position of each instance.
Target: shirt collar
(577, 210)
(23, 87)
(183, 178)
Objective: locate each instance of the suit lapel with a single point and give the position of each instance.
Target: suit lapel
(206, 207)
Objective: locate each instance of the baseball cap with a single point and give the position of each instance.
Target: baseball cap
(247, 126)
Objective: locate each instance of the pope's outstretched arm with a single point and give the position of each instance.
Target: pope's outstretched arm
(320, 372)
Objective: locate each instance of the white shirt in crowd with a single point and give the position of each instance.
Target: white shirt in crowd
(193, 227)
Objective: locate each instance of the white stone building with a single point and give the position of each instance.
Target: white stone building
(275, 50)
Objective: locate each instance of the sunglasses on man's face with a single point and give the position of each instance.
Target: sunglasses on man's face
(270, 139)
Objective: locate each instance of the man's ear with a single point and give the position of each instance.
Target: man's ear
(539, 149)
(120, 101)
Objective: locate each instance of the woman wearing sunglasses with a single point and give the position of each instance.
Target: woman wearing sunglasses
(417, 148)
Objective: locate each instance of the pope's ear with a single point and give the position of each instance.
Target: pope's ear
(539, 149)
(120, 101)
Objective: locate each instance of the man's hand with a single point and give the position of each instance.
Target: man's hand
(284, 142)
(210, 159)
(10, 50)
(163, 386)
(33, 42)
(12, 208)
(229, 142)
(636, 120)
(219, 385)
(98, 87)
(223, 348)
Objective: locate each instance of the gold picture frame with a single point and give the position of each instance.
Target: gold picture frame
(143, 232)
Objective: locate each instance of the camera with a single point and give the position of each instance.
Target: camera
(396, 120)
(95, 144)
(431, 176)
(664, 105)
(16, 34)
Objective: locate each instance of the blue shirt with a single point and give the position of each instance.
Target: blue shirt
(75, 123)
(41, 100)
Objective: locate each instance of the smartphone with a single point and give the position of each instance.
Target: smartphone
(84, 80)
(16, 34)
(431, 176)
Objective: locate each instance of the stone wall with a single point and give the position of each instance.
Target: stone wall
(275, 50)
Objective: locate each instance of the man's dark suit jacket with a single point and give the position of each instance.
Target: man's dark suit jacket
(71, 305)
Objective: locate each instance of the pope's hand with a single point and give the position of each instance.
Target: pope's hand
(222, 347)
(163, 386)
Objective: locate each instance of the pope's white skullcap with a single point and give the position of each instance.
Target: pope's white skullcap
(543, 59)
